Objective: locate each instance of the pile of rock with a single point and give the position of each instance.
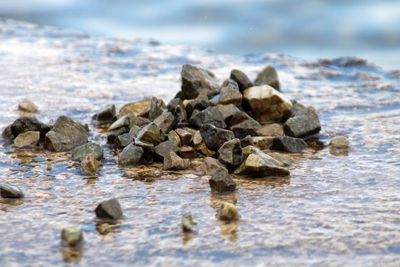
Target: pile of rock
(236, 123)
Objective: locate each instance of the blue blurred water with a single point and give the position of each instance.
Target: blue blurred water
(307, 29)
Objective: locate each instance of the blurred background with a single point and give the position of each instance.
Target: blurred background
(307, 29)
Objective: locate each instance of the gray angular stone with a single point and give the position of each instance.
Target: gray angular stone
(157, 107)
(197, 81)
(241, 79)
(268, 76)
(230, 93)
(106, 115)
(211, 166)
(184, 135)
(215, 137)
(164, 148)
(188, 224)
(124, 140)
(200, 103)
(79, 153)
(230, 153)
(221, 182)
(173, 104)
(228, 111)
(66, 135)
(274, 129)
(210, 115)
(174, 138)
(11, 191)
(304, 124)
(113, 135)
(109, 209)
(174, 163)
(245, 128)
(150, 133)
(165, 121)
(27, 139)
(130, 156)
(288, 144)
(148, 151)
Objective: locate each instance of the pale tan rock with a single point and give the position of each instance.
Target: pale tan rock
(27, 106)
(339, 142)
(30, 138)
(274, 129)
(135, 108)
(90, 165)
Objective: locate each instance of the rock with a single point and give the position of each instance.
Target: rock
(80, 152)
(262, 142)
(124, 140)
(137, 121)
(148, 151)
(174, 138)
(72, 236)
(203, 149)
(215, 137)
(221, 182)
(230, 153)
(150, 133)
(173, 162)
(10, 191)
(247, 141)
(212, 166)
(245, 128)
(266, 103)
(134, 108)
(304, 124)
(228, 111)
(268, 76)
(66, 135)
(200, 103)
(227, 212)
(187, 152)
(165, 121)
(230, 94)
(107, 115)
(339, 142)
(288, 144)
(209, 115)
(123, 121)
(185, 136)
(259, 164)
(164, 148)
(26, 124)
(134, 130)
(173, 104)
(188, 225)
(90, 165)
(130, 156)
(241, 79)
(113, 135)
(285, 159)
(157, 107)
(27, 106)
(26, 139)
(274, 129)
(109, 209)
(197, 81)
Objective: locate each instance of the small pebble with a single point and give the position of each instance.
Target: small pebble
(188, 225)
(72, 236)
(27, 106)
(228, 212)
(339, 142)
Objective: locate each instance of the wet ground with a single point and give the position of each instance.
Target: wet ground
(335, 209)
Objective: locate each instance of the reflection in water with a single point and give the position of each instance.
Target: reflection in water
(72, 254)
(339, 152)
(107, 227)
(228, 230)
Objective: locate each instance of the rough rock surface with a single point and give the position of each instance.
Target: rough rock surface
(164, 148)
(25, 124)
(288, 144)
(230, 153)
(245, 128)
(215, 137)
(173, 162)
(150, 133)
(221, 182)
(165, 121)
(241, 79)
(130, 156)
(230, 93)
(157, 107)
(211, 166)
(89, 148)
(266, 103)
(209, 115)
(10, 191)
(196, 81)
(30, 138)
(268, 76)
(274, 129)
(304, 124)
(109, 209)
(184, 136)
(66, 135)
(107, 115)
(134, 108)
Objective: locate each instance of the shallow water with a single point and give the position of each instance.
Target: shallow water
(335, 209)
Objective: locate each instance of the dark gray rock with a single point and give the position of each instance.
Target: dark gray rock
(124, 140)
(228, 111)
(304, 124)
(173, 104)
(241, 79)
(137, 121)
(230, 153)
(106, 115)
(157, 107)
(165, 121)
(66, 135)
(174, 138)
(150, 133)
(210, 115)
(130, 156)
(164, 148)
(26, 124)
(268, 76)
(109, 209)
(230, 93)
(221, 182)
(113, 135)
(215, 137)
(174, 163)
(197, 81)
(288, 144)
(10, 191)
(200, 103)
(79, 153)
(245, 128)
(211, 166)
(148, 151)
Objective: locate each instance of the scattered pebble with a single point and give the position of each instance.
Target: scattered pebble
(227, 212)
(80, 152)
(340, 142)
(28, 106)
(72, 236)
(221, 182)
(10, 191)
(188, 224)
(109, 209)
